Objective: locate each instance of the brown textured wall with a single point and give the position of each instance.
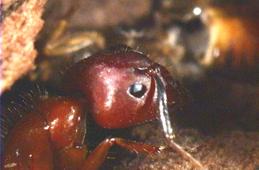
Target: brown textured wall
(19, 30)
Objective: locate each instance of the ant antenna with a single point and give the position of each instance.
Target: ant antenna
(166, 122)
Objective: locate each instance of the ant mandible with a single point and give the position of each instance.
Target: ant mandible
(120, 88)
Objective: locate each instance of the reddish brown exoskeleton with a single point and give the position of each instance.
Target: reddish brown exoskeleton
(120, 89)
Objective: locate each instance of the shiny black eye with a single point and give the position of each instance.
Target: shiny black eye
(137, 90)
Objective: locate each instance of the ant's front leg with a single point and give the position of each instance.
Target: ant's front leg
(71, 157)
(97, 157)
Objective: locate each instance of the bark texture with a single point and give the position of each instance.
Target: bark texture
(19, 28)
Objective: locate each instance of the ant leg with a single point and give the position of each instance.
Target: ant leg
(71, 158)
(97, 157)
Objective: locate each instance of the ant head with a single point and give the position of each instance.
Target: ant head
(121, 87)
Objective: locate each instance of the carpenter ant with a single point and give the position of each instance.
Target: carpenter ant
(120, 88)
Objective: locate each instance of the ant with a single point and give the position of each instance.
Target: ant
(119, 88)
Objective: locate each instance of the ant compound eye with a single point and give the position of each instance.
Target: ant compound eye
(137, 90)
